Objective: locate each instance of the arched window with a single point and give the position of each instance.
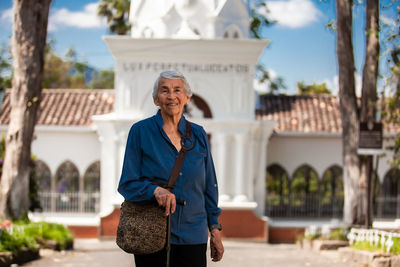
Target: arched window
(91, 187)
(41, 174)
(232, 31)
(304, 188)
(277, 191)
(332, 192)
(91, 179)
(391, 183)
(277, 182)
(386, 201)
(197, 108)
(332, 184)
(147, 33)
(304, 181)
(67, 178)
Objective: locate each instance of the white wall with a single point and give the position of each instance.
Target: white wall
(57, 144)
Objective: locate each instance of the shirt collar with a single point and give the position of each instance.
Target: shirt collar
(181, 124)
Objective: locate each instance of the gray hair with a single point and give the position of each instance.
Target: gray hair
(172, 74)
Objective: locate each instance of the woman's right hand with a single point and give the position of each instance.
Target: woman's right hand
(165, 199)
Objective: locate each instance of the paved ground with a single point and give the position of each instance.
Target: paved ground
(95, 253)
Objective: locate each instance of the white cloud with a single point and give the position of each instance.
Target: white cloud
(333, 84)
(387, 20)
(292, 13)
(87, 18)
(7, 16)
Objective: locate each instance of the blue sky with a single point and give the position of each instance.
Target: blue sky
(301, 48)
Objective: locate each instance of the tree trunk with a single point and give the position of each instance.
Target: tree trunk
(369, 97)
(28, 42)
(349, 112)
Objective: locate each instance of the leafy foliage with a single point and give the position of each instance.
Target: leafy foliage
(334, 234)
(258, 19)
(391, 107)
(117, 14)
(103, 79)
(71, 72)
(28, 235)
(14, 241)
(312, 89)
(42, 232)
(339, 234)
(365, 245)
(264, 77)
(5, 67)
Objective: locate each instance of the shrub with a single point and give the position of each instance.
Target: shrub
(43, 231)
(28, 235)
(338, 234)
(15, 241)
(366, 245)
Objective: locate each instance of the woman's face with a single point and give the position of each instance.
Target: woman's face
(171, 97)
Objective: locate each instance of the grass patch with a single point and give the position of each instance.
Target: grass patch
(365, 245)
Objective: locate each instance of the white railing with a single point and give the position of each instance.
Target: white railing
(317, 206)
(303, 206)
(374, 237)
(71, 202)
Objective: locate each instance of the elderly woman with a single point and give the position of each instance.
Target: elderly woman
(152, 147)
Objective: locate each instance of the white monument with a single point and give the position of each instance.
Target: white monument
(207, 40)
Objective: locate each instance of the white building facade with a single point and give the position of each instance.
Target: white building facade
(208, 41)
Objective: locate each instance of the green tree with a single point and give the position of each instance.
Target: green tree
(56, 72)
(59, 73)
(117, 14)
(103, 80)
(355, 182)
(77, 69)
(391, 106)
(312, 89)
(5, 67)
(258, 22)
(28, 48)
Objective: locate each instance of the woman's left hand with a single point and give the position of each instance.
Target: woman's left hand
(216, 246)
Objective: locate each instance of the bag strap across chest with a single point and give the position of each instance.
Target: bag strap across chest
(186, 144)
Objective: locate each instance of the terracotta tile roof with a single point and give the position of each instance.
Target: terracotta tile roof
(305, 113)
(298, 113)
(66, 107)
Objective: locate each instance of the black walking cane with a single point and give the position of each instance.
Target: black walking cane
(168, 247)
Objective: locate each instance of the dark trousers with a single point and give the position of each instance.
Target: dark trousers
(181, 256)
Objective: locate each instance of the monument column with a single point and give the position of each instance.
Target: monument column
(240, 160)
(109, 152)
(218, 141)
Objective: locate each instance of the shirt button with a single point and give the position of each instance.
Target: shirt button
(180, 174)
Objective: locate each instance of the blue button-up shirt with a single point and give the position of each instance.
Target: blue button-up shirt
(150, 157)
